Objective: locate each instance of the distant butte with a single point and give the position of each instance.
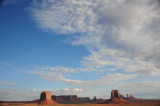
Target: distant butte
(115, 98)
(45, 98)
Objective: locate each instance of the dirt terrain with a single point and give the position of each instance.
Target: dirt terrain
(34, 104)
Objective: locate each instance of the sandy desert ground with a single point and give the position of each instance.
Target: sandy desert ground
(33, 104)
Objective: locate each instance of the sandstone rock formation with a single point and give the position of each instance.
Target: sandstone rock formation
(115, 94)
(45, 98)
(115, 98)
(130, 97)
(84, 100)
(94, 100)
(65, 98)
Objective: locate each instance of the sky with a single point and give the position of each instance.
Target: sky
(82, 47)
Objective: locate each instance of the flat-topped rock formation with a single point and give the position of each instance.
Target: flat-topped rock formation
(45, 98)
(115, 98)
(65, 98)
(94, 100)
(115, 94)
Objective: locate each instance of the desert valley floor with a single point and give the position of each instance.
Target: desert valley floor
(34, 104)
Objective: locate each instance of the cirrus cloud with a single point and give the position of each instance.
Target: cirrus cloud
(105, 80)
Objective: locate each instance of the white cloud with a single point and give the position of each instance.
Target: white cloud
(121, 34)
(66, 89)
(112, 79)
(58, 69)
(62, 70)
(108, 79)
(7, 83)
(121, 60)
(115, 32)
(77, 89)
(55, 77)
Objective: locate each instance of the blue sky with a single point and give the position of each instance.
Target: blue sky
(83, 47)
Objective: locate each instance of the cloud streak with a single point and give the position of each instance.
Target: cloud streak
(7, 83)
(105, 80)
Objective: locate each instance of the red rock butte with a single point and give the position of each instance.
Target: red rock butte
(45, 98)
(115, 94)
(115, 98)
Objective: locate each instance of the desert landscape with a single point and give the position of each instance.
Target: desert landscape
(46, 99)
(79, 52)
(33, 104)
